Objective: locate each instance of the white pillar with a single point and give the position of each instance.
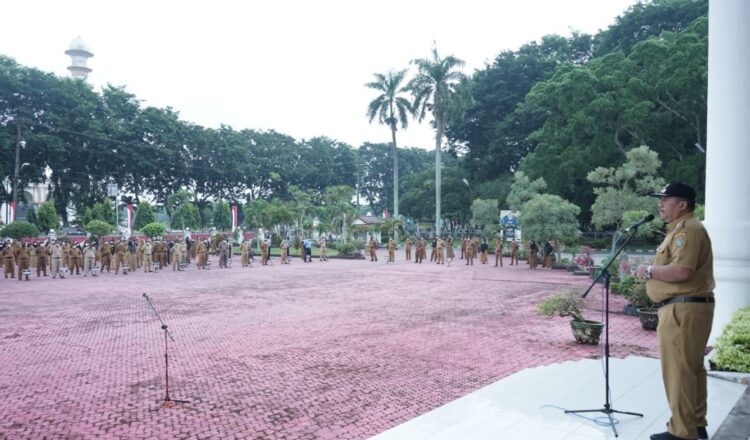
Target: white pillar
(728, 156)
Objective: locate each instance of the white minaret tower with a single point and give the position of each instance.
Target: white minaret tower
(79, 54)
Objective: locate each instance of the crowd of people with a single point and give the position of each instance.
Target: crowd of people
(53, 257)
(62, 258)
(442, 250)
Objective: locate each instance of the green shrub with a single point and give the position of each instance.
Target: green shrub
(153, 230)
(98, 228)
(624, 287)
(346, 248)
(19, 229)
(733, 346)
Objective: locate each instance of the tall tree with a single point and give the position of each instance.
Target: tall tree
(435, 89)
(391, 108)
(144, 215)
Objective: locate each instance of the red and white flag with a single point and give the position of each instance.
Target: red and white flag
(234, 217)
(130, 218)
(12, 214)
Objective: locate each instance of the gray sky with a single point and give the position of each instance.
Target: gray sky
(296, 66)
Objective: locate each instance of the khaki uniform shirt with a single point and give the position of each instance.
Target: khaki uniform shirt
(687, 244)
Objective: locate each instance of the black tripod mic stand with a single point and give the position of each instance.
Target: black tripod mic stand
(604, 274)
(168, 402)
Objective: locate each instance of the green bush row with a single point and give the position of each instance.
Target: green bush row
(733, 347)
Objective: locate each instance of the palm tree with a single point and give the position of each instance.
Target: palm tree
(390, 109)
(435, 90)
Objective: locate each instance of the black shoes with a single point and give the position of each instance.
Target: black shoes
(702, 435)
(666, 436)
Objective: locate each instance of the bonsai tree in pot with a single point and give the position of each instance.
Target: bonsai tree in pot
(570, 303)
(646, 308)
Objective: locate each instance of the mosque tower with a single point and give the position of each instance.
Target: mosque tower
(79, 54)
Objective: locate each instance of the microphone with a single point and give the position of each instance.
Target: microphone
(638, 224)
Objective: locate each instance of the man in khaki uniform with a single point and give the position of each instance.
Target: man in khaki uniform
(264, 253)
(499, 251)
(470, 252)
(75, 259)
(440, 252)
(23, 259)
(284, 246)
(105, 256)
(147, 256)
(514, 253)
(56, 254)
(373, 246)
(201, 253)
(463, 247)
(449, 249)
(89, 258)
(407, 248)
(120, 249)
(41, 260)
(392, 250)
(245, 254)
(323, 256)
(681, 282)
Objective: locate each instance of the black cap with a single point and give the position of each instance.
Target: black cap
(676, 189)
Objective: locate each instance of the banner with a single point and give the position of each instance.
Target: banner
(234, 217)
(12, 214)
(130, 218)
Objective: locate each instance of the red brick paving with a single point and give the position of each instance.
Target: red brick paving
(336, 350)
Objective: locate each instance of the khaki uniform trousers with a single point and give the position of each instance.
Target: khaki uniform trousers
(683, 333)
(499, 258)
(88, 264)
(147, 263)
(55, 266)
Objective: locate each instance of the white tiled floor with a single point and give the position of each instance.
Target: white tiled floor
(530, 405)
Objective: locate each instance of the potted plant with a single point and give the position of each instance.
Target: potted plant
(646, 308)
(570, 303)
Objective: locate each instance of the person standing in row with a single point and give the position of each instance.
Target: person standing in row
(681, 283)
(55, 252)
(105, 255)
(322, 245)
(23, 259)
(484, 251)
(284, 246)
(75, 259)
(9, 259)
(449, 249)
(514, 253)
(245, 253)
(440, 251)
(499, 251)
(201, 253)
(407, 248)
(89, 258)
(264, 252)
(120, 249)
(433, 250)
(42, 260)
(132, 252)
(533, 249)
(469, 252)
(373, 246)
(391, 250)
(147, 256)
(463, 247)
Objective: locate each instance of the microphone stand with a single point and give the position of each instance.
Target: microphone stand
(168, 402)
(607, 409)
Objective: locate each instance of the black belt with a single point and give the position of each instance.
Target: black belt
(686, 299)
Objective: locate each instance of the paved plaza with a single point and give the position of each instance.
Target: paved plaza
(344, 349)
